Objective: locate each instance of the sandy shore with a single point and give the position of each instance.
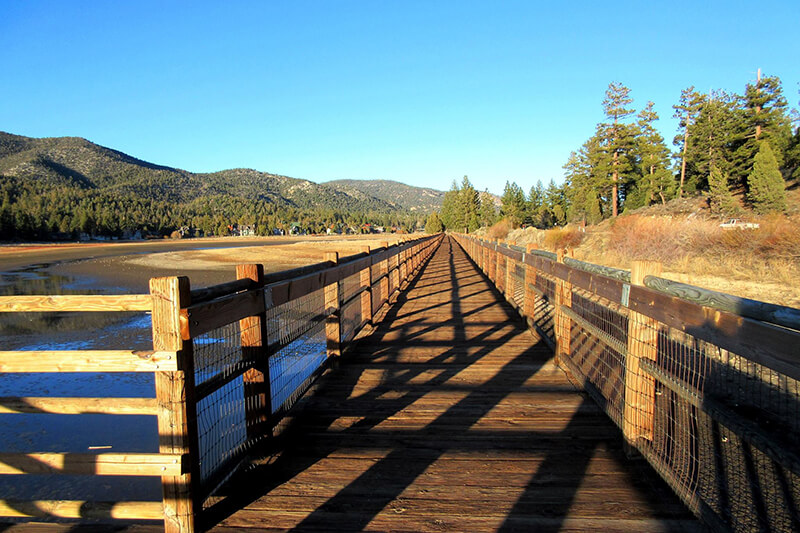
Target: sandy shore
(130, 265)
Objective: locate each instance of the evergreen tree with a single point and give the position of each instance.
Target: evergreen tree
(536, 204)
(513, 204)
(469, 205)
(617, 138)
(687, 111)
(557, 204)
(654, 181)
(713, 142)
(584, 176)
(450, 208)
(767, 190)
(434, 224)
(487, 213)
(792, 162)
(721, 198)
(765, 119)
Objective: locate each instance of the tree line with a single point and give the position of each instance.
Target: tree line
(739, 150)
(38, 210)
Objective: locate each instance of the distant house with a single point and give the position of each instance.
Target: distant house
(132, 235)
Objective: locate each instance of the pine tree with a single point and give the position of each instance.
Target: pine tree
(713, 142)
(536, 204)
(450, 208)
(583, 174)
(487, 214)
(469, 204)
(556, 200)
(513, 203)
(686, 111)
(767, 189)
(765, 119)
(721, 198)
(617, 138)
(433, 224)
(654, 181)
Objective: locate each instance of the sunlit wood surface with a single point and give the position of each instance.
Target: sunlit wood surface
(451, 416)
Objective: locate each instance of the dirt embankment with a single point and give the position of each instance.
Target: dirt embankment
(761, 264)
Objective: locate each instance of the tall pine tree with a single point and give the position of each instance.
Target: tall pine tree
(687, 110)
(617, 138)
(654, 181)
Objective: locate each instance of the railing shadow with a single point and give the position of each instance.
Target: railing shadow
(400, 455)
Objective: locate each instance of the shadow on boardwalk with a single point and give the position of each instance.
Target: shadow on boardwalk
(450, 416)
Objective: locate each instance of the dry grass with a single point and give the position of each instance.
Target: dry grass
(560, 238)
(762, 264)
(500, 230)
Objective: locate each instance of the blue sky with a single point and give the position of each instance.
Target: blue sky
(420, 92)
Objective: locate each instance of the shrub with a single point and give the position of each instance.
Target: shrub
(500, 230)
(559, 238)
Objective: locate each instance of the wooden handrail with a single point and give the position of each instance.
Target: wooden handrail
(672, 343)
(179, 315)
(75, 302)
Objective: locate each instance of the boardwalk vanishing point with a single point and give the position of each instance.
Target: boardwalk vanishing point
(415, 388)
(451, 416)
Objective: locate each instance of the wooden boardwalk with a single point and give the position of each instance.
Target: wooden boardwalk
(450, 416)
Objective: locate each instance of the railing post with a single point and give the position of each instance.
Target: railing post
(500, 268)
(493, 263)
(384, 273)
(256, 381)
(530, 281)
(509, 283)
(401, 267)
(563, 324)
(365, 279)
(639, 406)
(177, 408)
(333, 329)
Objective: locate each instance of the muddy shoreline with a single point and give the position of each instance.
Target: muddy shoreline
(128, 266)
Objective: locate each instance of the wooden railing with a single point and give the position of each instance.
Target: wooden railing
(229, 361)
(703, 384)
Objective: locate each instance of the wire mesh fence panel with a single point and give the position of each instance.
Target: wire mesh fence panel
(543, 308)
(218, 353)
(601, 367)
(393, 278)
(379, 294)
(609, 320)
(518, 284)
(349, 286)
(296, 333)
(351, 319)
(721, 429)
(598, 345)
(379, 269)
(221, 420)
(725, 433)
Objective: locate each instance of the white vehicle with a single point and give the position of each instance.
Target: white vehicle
(737, 223)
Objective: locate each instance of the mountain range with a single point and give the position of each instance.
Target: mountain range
(79, 163)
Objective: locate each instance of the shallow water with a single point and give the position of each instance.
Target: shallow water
(81, 433)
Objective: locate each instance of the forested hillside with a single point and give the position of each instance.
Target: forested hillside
(741, 152)
(59, 187)
(395, 193)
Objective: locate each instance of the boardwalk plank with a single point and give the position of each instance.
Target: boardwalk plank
(450, 416)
